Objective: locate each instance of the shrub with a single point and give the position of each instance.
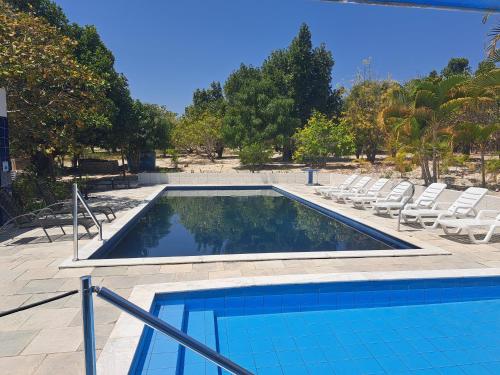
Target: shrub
(321, 138)
(255, 155)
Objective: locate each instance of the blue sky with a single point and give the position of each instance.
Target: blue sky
(169, 48)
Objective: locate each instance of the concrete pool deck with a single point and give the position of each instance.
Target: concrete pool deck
(48, 339)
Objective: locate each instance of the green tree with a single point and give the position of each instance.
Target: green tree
(477, 112)
(255, 155)
(114, 124)
(365, 101)
(200, 133)
(154, 124)
(321, 138)
(255, 112)
(302, 73)
(271, 103)
(456, 66)
(205, 115)
(50, 95)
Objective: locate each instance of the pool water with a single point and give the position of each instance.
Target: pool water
(449, 326)
(208, 222)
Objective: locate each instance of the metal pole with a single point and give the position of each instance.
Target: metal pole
(170, 331)
(75, 222)
(88, 326)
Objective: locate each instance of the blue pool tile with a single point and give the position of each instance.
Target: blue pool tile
(294, 370)
(163, 371)
(266, 359)
(475, 369)
(289, 358)
(393, 365)
(455, 370)
(305, 335)
(357, 351)
(318, 368)
(438, 359)
(274, 370)
(345, 367)
(284, 343)
(369, 366)
(194, 369)
(312, 355)
(245, 360)
(379, 349)
(415, 361)
(162, 360)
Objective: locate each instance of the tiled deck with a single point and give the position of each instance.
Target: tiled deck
(48, 339)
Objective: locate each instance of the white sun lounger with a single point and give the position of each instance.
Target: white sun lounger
(398, 195)
(464, 206)
(425, 200)
(483, 220)
(344, 185)
(357, 188)
(373, 193)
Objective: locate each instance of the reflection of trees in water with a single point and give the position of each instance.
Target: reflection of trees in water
(251, 224)
(147, 233)
(319, 229)
(259, 224)
(328, 234)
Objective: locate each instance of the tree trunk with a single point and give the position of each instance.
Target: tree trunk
(220, 150)
(425, 170)
(287, 150)
(123, 163)
(371, 155)
(434, 154)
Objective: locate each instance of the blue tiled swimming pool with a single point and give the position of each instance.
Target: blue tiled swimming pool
(439, 326)
(219, 221)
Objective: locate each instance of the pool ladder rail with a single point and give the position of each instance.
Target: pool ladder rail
(77, 196)
(149, 319)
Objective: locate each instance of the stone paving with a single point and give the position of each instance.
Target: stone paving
(48, 339)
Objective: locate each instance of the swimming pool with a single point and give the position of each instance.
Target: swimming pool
(194, 222)
(427, 326)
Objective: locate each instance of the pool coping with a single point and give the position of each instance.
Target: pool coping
(114, 230)
(118, 352)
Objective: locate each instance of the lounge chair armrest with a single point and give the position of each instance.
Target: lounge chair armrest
(425, 203)
(441, 205)
(44, 212)
(467, 208)
(492, 213)
(31, 215)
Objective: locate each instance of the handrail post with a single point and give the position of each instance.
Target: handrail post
(75, 222)
(88, 325)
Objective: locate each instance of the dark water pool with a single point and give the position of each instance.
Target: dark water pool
(189, 223)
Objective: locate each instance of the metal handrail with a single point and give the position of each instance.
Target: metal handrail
(403, 205)
(78, 196)
(150, 320)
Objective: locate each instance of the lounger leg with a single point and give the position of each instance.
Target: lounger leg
(46, 234)
(448, 230)
(64, 232)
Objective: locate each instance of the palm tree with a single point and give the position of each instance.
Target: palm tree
(418, 118)
(406, 127)
(477, 112)
(493, 51)
(432, 96)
